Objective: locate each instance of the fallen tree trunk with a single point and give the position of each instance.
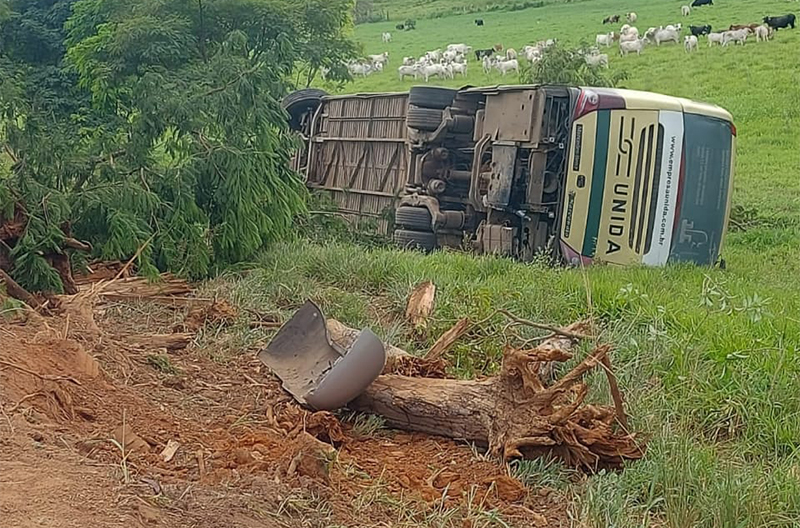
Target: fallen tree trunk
(398, 361)
(514, 414)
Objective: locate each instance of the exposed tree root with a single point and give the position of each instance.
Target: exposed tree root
(516, 413)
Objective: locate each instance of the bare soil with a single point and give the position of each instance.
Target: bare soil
(87, 412)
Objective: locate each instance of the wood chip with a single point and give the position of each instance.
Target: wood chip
(420, 303)
(170, 450)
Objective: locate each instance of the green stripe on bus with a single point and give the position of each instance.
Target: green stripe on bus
(598, 183)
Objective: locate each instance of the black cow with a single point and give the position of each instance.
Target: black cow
(400, 27)
(478, 21)
(481, 53)
(613, 19)
(698, 3)
(780, 21)
(700, 30)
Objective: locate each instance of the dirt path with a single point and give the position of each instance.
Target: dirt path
(44, 485)
(247, 455)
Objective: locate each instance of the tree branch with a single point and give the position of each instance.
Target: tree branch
(93, 163)
(18, 292)
(230, 83)
(542, 326)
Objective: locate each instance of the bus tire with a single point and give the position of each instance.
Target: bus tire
(299, 102)
(431, 97)
(425, 119)
(418, 218)
(407, 239)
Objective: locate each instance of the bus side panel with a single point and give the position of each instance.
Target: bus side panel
(359, 155)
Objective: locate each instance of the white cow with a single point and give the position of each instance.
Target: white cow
(407, 71)
(408, 61)
(604, 40)
(533, 55)
(488, 62)
(690, 43)
(459, 67)
(511, 53)
(386, 37)
(459, 48)
(685, 10)
(631, 34)
(631, 17)
(435, 55)
(358, 68)
(432, 70)
(666, 35)
(631, 46)
(763, 33)
(595, 60)
(506, 66)
(628, 30)
(715, 38)
(381, 58)
(738, 36)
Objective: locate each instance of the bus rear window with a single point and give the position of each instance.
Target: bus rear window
(705, 184)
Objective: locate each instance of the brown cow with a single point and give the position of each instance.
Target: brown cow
(750, 27)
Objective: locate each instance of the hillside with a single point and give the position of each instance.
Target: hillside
(711, 354)
(417, 9)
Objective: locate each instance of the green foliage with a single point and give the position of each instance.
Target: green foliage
(162, 363)
(157, 123)
(324, 223)
(562, 65)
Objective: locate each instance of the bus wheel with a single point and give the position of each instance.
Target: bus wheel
(413, 218)
(431, 97)
(299, 102)
(406, 239)
(426, 119)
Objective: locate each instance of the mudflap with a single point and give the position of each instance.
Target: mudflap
(315, 371)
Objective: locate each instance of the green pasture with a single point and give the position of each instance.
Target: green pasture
(709, 359)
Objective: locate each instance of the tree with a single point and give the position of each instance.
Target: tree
(560, 65)
(155, 124)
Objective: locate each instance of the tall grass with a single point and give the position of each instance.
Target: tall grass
(709, 359)
(710, 375)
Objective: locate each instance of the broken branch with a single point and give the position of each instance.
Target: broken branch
(44, 377)
(542, 326)
(174, 341)
(448, 339)
(18, 292)
(420, 303)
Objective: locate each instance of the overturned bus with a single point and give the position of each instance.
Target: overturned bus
(581, 174)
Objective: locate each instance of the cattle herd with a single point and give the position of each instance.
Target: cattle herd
(453, 60)
(630, 41)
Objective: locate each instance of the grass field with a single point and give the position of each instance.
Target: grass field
(710, 359)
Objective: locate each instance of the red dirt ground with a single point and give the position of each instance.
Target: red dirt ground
(85, 417)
